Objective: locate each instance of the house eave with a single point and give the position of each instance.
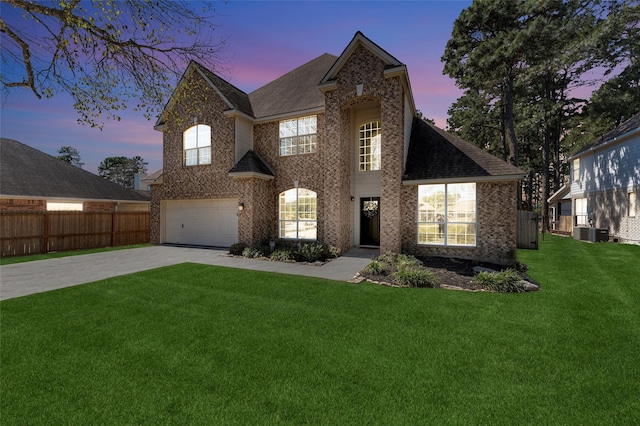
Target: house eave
(242, 175)
(464, 179)
(237, 113)
(606, 144)
(287, 115)
(71, 199)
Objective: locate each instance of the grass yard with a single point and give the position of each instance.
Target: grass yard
(57, 254)
(195, 344)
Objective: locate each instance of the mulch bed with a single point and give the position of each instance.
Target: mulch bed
(457, 272)
(453, 273)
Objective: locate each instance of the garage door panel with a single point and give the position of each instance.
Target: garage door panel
(211, 222)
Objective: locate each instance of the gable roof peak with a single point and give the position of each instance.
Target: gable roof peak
(359, 39)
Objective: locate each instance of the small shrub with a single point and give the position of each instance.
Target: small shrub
(388, 258)
(334, 252)
(406, 261)
(503, 281)
(417, 277)
(282, 256)
(312, 252)
(237, 249)
(375, 267)
(252, 252)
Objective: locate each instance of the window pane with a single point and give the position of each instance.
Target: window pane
(288, 128)
(190, 137)
(191, 157)
(307, 230)
(369, 146)
(461, 234)
(307, 144)
(204, 135)
(307, 125)
(288, 146)
(205, 155)
(287, 229)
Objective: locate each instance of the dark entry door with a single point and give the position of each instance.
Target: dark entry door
(370, 221)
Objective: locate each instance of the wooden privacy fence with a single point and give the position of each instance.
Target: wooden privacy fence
(527, 230)
(42, 232)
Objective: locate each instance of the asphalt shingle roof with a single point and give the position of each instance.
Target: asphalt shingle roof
(625, 127)
(25, 171)
(238, 98)
(295, 91)
(435, 154)
(252, 163)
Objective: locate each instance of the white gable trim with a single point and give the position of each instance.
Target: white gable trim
(358, 39)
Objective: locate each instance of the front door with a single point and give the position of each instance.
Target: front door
(370, 221)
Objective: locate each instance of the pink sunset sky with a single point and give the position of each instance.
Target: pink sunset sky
(265, 39)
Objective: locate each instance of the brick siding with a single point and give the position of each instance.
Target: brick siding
(496, 225)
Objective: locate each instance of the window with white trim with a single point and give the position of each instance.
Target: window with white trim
(298, 214)
(581, 217)
(447, 214)
(369, 146)
(576, 170)
(197, 145)
(299, 136)
(631, 204)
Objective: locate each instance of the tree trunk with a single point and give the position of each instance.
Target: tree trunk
(510, 128)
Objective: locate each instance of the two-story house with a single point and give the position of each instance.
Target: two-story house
(605, 180)
(331, 151)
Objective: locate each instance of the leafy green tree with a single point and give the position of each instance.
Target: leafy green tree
(70, 155)
(104, 53)
(122, 170)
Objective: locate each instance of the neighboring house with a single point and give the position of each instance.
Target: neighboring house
(143, 182)
(560, 210)
(333, 152)
(31, 180)
(605, 181)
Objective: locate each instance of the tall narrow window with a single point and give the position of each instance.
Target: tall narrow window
(631, 204)
(447, 214)
(576, 170)
(299, 136)
(581, 218)
(369, 154)
(197, 145)
(298, 214)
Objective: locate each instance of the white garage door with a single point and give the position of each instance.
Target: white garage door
(202, 222)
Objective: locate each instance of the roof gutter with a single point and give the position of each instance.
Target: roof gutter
(463, 179)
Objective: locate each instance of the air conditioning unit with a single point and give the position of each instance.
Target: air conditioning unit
(598, 235)
(581, 233)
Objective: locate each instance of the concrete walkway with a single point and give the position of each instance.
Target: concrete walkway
(22, 279)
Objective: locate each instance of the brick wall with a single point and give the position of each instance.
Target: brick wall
(20, 205)
(363, 67)
(496, 225)
(99, 206)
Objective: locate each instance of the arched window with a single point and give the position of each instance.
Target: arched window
(298, 214)
(369, 137)
(197, 145)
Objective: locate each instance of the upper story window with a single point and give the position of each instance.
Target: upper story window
(197, 145)
(576, 170)
(299, 136)
(298, 214)
(369, 145)
(447, 214)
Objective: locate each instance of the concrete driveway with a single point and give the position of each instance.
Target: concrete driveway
(22, 279)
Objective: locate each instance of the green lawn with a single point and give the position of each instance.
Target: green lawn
(56, 254)
(195, 344)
